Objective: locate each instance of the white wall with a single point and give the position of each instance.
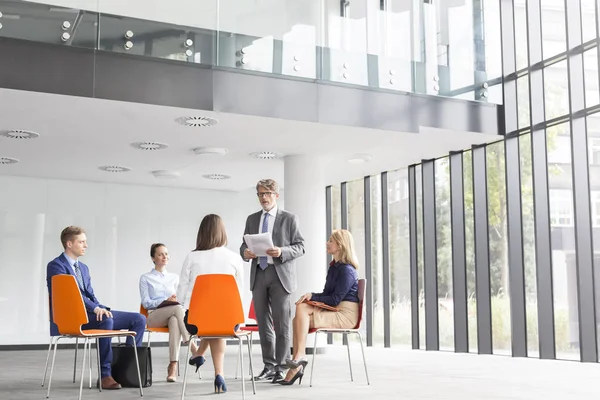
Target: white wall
(122, 221)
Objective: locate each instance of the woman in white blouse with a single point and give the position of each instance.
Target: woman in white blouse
(157, 290)
(210, 257)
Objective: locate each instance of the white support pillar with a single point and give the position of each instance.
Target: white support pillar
(305, 197)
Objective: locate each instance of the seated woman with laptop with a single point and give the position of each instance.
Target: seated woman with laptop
(158, 290)
(335, 307)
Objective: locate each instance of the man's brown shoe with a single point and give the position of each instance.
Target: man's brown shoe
(108, 383)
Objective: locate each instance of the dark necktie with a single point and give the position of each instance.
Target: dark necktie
(78, 275)
(262, 261)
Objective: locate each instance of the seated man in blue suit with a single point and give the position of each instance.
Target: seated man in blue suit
(100, 316)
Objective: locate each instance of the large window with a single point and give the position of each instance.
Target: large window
(398, 234)
(377, 260)
(498, 248)
(517, 229)
(444, 254)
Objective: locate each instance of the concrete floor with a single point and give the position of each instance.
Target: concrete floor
(394, 373)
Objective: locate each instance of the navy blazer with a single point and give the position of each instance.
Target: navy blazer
(341, 284)
(60, 266)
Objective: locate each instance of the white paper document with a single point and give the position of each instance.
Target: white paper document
(259, 243)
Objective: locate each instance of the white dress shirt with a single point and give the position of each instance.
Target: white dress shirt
(272, 214)
(219, 260)
(156, 287)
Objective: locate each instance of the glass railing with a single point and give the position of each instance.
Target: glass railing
(393, 45)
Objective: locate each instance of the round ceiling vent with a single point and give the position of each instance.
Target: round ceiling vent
(149, 146)
(265, 155)
(114, 168)
(8, 160)
(197, 121)
(19, 134)
(216, 177)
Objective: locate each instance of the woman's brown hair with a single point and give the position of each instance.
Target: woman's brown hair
(211, 233)
(155, 247)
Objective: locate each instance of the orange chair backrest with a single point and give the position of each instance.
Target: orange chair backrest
(143, 311)
(215, 306)
(362, 284)
(68, 310)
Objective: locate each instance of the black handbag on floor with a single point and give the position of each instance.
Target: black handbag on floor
(123, 366)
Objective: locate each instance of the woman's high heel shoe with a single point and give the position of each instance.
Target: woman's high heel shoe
(298, 376)
(172, 372)
(220, 386)
(197, 361)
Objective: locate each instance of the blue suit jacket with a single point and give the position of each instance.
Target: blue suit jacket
(60, 266)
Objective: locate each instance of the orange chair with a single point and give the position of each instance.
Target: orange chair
(356, 330)
(248, 328)
(163, 329)
(69, 315)
(215, 309)
(53, 340)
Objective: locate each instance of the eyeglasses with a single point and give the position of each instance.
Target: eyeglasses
(265, 194)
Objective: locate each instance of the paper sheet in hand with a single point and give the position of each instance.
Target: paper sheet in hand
(259, 243)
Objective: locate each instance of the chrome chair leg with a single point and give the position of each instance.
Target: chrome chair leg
(137, 364)
(52, 339)
(186, 368)
(242, 367)
(199, 371)
(249, 342)
(363, 354)
(237, 365)
(90, 361)
(52, 367)
(75, 360)
(312, 366)
(85, 344)
(250, 339)
(99, 367)
(349, 360)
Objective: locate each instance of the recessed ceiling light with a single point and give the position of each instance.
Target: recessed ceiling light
(197, 121)
(265, 155)
(162, 174)
(151, 146)
(217, 151)
(216, 177)
(8, 160)
(19, 134)
(360, 158)
(114, 168)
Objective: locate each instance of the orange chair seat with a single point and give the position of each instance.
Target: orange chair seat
(159, 330)
(105, 332)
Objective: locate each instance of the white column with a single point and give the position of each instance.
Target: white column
(305, 197)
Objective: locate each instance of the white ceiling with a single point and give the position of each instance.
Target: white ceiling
(77, 135)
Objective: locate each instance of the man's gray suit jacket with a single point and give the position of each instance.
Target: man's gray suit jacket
(286, 235)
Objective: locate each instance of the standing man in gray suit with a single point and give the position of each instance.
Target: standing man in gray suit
(273, 278)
